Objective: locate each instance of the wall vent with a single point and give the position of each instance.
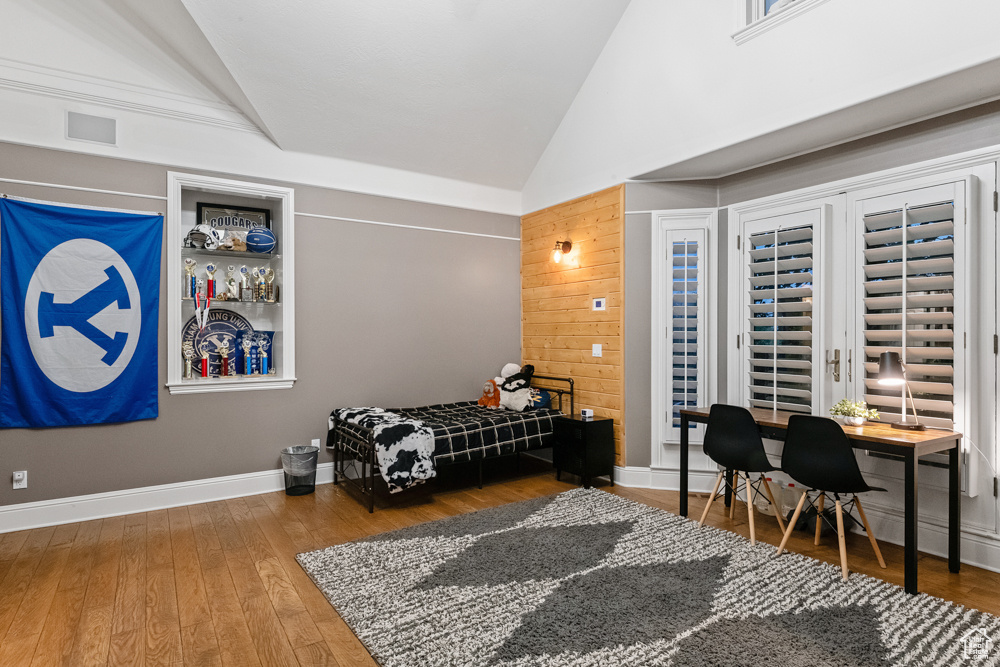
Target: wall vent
(84, 127)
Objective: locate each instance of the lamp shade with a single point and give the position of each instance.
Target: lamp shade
(890, 369)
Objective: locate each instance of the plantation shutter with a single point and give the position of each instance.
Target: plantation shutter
(686, 385)
(909, 300)
(779, 341)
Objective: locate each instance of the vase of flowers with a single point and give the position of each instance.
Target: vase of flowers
(854, 413)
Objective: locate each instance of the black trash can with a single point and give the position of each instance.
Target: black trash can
(299, 464)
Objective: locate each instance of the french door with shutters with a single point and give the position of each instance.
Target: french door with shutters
(783, 294)
(922, 258)
(911, 299)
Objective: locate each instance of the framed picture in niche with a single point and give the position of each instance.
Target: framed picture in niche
(234, 218)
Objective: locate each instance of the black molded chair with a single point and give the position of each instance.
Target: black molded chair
(733, 441)
(819, 456)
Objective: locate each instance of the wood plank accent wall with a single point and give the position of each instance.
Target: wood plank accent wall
(558, 325)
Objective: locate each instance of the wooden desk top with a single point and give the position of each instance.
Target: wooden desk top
(869, 431)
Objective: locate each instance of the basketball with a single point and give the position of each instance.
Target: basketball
(260, 239)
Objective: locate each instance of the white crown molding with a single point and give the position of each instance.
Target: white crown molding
(146, 499)
(80, 88)
(765, 24)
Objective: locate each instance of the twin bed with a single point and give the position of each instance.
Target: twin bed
(406, 445)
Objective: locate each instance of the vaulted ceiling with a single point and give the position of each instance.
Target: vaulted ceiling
(466, 89)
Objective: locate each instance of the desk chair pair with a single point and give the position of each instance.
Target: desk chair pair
(817, 454)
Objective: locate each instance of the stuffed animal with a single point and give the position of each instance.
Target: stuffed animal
(515, 390)
(491, 395)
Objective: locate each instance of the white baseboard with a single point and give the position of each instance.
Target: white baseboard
(978, 549)
(663, 479)
(115, 503)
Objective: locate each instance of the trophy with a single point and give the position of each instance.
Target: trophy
(210, 270)
(261, 285)
(187, 349)
(234, 292)
(255, 274)
(246, 294)
(224, 353)
(189, 266)
(247, 343)
(262, 345)
(204, 362)
(270, 284)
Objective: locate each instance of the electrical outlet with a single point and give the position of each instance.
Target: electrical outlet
(20, 479)
(315, 442)
(600, 304)
(596, 350)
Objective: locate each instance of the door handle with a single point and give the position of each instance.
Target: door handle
(834, 360)
(850, 377)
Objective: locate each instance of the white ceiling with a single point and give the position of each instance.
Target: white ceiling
(466, 89)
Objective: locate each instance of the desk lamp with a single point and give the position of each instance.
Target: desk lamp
(892, 374)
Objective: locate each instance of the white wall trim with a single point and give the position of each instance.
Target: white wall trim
(77, 87)
(58, 186)
(663, 479)
(396, 224)
(146, 499)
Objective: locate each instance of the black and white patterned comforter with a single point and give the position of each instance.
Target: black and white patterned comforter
(462, 431)
(403, 446)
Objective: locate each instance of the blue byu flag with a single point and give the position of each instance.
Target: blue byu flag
(80, 295)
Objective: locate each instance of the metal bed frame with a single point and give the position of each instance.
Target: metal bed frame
(364, 482)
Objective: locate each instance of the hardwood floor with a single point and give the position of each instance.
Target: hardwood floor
(218, 584)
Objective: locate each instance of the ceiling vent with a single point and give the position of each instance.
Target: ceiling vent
(84, 127)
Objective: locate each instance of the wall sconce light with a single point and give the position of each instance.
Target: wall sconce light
(892, 374)
(562, 248)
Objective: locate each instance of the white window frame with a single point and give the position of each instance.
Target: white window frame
(751, 20)
(665, 225)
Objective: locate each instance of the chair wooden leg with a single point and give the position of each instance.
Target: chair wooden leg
(819, 517)
(776, 506)
(842, 538)
(711, 498)
(868, 530)
(791, 523)
(732, 505)
(749, 491)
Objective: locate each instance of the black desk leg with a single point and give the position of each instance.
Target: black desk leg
(954, 511)
(685, 424)
(910, 521)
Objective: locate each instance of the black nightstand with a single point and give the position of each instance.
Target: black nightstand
(584, 447)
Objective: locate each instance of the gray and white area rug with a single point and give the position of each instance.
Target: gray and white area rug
(588, 578)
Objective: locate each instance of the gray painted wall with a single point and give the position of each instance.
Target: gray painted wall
(971, 129)
(385, 315)
(640, 198)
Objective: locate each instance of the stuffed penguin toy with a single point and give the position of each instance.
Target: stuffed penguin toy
(515, 390)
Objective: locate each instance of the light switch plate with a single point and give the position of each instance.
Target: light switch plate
(600, 303)
(596, 350)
